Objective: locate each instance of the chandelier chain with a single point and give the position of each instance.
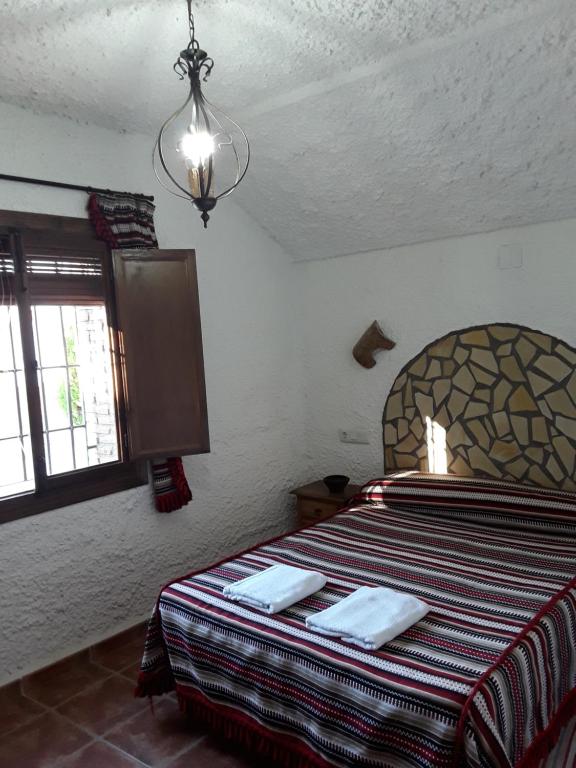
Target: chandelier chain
(191, 28)
(193, 60)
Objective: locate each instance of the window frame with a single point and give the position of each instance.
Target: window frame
(60, 490)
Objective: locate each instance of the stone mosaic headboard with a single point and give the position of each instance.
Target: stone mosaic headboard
(493, 401)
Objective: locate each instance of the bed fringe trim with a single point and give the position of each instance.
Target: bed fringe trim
(154, 683)
(245, 732)
(547, 739)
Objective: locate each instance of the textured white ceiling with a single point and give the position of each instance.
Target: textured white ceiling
(373, 123)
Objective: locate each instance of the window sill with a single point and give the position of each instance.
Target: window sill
(75, 487)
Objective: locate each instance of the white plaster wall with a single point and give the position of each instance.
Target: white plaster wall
(417, 294)
(72, 576)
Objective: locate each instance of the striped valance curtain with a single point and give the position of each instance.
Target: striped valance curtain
(125, 221)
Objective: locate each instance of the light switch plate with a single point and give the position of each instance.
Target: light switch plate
(357, 436)
(510, 256)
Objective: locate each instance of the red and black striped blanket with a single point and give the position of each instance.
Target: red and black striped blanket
(485, 679)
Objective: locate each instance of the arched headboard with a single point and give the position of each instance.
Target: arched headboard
(493, 400)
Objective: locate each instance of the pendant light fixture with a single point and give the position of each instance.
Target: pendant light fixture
(200, 154)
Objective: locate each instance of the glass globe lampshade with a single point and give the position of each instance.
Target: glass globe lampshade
(201, 153)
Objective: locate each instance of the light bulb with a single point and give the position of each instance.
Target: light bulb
(197, 146)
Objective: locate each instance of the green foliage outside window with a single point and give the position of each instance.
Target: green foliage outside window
(75, 396)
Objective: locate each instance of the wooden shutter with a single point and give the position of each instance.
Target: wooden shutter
(63, 260)
(161, 348)
(64, 267)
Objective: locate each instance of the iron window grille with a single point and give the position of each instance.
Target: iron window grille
(57, 310)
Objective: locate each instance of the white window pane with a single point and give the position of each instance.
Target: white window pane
(9, 424)
(61, 456)
(16, 338)
(80, 395)
(5, 346)
(49, 341)
(6, 362)
(11, 466)
(76, 396)
(96, 384)
(70, 334)
(13, 478)
(106, 446)
(80, 447)
(55, 398)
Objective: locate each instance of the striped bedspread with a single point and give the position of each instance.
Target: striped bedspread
(485, 679)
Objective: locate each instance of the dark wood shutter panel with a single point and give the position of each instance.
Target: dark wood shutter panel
(161, 346)
(64, 264)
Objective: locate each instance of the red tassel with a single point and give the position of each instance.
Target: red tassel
(179, 494)
(179, 479)
(168, 502)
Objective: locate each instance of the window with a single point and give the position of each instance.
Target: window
(62, 420)
(101, 363)
(79, 416)
(16, 471)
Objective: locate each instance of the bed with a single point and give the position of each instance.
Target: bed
(487, 678)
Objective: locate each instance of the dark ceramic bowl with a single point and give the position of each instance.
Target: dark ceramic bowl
(336, 483)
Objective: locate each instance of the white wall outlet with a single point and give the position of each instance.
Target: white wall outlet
(510, 256)
(357, 436)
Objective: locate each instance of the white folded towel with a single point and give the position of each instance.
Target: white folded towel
(369, 617)
(275, 588)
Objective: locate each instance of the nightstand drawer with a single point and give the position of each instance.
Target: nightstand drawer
(316, 509)
(315, 502)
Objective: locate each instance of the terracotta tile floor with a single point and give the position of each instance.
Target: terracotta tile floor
(81, 713)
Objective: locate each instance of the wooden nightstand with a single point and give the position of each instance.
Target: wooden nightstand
(314, 501)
